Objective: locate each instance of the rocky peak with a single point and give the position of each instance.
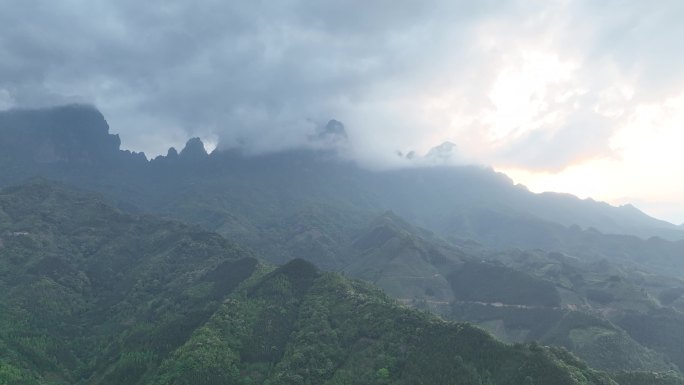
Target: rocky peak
(194, 149)
(332, 133)
(73, 134)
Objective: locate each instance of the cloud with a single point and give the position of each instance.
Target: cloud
(401, 75)
(554, 148)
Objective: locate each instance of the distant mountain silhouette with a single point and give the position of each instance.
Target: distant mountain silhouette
(51, 142)
(69, 134)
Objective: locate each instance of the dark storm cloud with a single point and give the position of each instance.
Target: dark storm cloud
(244, 71)
(265, 75)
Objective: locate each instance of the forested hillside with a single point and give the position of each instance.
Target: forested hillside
(96, 296)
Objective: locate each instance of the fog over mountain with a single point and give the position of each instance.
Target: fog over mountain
(73, 143)
(414, 75)
(553, 93)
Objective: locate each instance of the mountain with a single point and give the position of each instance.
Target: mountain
(285, 204)
(447, 239)
(521, 296)
(405, 261)
(92, 295)
(83, 282)
(63, 142)
(39, 141)
(560, 300)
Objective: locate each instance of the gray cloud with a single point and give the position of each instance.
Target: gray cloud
(553, 148)
(265, 75)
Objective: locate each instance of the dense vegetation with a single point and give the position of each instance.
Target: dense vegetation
(323, 329)
(481, 282)
(82, 283)
(96, 296)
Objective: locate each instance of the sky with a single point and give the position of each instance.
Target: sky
(585, 96)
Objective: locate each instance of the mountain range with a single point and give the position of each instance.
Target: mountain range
(463, 242)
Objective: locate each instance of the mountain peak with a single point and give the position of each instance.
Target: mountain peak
(443, 152)
(194, 149)
(332, 133)
(72, 134)
(172, 153)
(335, 128)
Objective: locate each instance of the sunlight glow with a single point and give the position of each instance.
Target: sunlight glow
(648, 160)
(520, 93)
